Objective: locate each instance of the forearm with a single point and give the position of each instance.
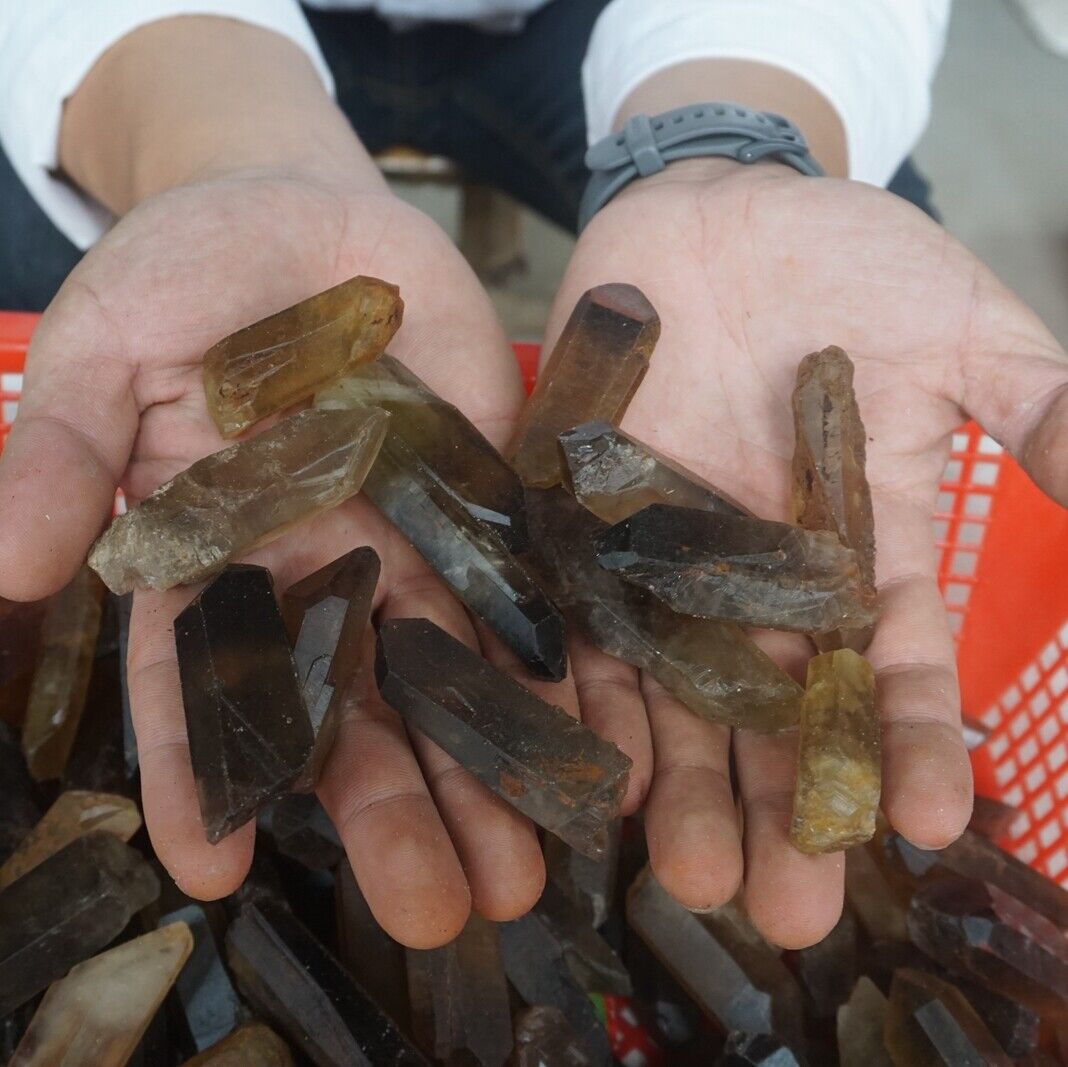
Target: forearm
(189, 97)
(754, 85)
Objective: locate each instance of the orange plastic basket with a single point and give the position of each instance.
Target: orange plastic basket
(1002, 574)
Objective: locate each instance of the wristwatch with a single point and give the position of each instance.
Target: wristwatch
(646, 145)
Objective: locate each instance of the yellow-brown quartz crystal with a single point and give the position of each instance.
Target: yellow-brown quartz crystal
(284, 358)
(595, 368)
(73, 814)
(838, 766)
(830, 487)
(246, 495)
(61, 681)
(252, 1045)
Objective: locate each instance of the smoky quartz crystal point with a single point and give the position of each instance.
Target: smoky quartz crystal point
(976, 929)
(445, 440)
(839, 766)
(74, 814)
(830, 486)
(534, 755)
(293, 981)
(711, 666)
(228, 503)
(61, 680)
(284, 358)
(746, 570)
(249, 732)
(95, 1016)
(930, 1023)
(65, 909)
(616, 475)
(326, 615)
(459, 998)
(593, 372)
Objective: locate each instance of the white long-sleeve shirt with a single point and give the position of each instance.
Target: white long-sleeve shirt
(872, 59)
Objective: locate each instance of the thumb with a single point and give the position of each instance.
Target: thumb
(1014, 382)
(68, 447)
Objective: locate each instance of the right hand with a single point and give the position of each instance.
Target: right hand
(113, 396)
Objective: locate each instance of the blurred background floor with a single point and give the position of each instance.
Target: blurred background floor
(996, 153)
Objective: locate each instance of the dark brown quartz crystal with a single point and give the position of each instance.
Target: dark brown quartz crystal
(828, 970)
(445, 440)
(65, 909)
(616, 475)
(536, 756)
(929, 1023)
(301, 830)
(973, 856)
(536, 966)
(831, 490)
(459, 998)
(746, 570)
(470, 557)
(249, 732)
(544, 1038)
(976, 929)
(710, 666)
(287, 356)
(722, 963)
(991, 818)
(369, 954)
(589, 883)
(326, 615)
(19, 810)
(878, 904)
(20, 637)
(593, 372)
(290, 979)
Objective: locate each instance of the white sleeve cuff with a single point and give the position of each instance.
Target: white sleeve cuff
(873, 60)
(49, 46)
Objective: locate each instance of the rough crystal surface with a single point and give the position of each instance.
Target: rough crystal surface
(208, 1000)
(839, 768)
(73, 814)
(459, 998)
(230, 502)
(65, 909)
(709, 665)
(468, 555)
(536, 756)
(249, 733)
(861, 1021)
(95, 1016)
(445, 440)
(589, 883)
(61, 680)
(929, 1023)
(252, 1045)
(831, 490)
(291, 979)
(535, 964)
(544, 1038)
(721, 962)
(976, 929)
(747, 570)
(593, 372)
(616, 475)
(756, 1050)
(326, 615)
(281, 359)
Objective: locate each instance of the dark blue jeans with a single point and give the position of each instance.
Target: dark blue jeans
(506, 107)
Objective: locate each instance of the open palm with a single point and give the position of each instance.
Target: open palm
(113, 395)
(750, 269)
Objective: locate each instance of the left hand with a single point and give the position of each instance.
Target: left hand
(750, 268)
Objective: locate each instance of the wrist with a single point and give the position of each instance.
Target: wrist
(189, 98)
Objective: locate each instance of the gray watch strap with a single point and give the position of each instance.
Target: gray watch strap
(646, 145)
